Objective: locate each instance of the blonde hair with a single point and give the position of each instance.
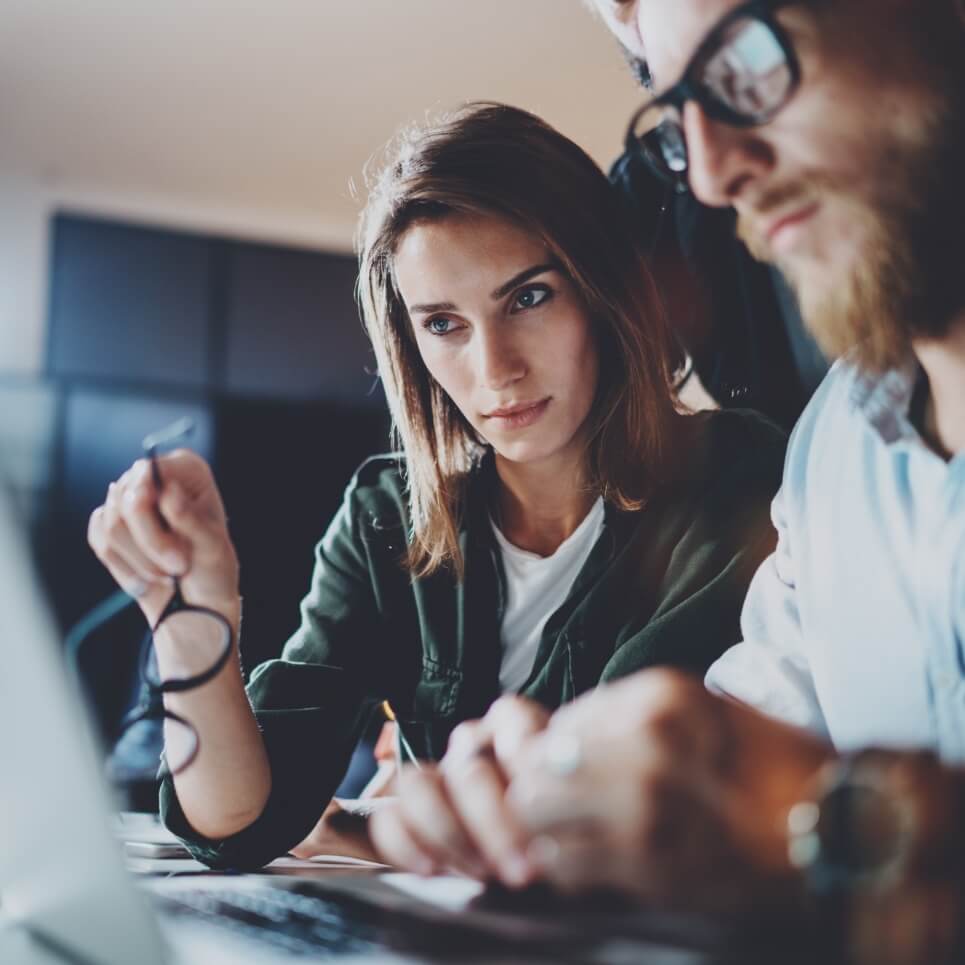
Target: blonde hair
(504, 162)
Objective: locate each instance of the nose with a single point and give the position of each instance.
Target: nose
(722, 160)
(499, 362)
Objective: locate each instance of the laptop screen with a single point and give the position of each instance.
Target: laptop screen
(61, 876)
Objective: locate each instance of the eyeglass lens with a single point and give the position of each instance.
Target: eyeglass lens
(748, 72)
(201, 639)
(135, 756)
(744, 78)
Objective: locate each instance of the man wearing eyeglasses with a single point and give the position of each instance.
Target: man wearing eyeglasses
(835, 129)
(736, 318)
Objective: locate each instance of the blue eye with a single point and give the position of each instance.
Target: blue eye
(530, 297)
(440, 325)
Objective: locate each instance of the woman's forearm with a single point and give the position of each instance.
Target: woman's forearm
(225, 788)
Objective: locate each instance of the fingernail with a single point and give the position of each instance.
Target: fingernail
(173, 562)
(515, 870)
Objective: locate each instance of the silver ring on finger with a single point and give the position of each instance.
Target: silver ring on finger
(563, 755)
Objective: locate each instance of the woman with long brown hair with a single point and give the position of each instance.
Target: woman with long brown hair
(551, 520)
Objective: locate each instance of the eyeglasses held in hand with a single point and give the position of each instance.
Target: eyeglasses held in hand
(204, 642)
(742, 74)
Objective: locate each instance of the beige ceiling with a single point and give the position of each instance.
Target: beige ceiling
(273, 107)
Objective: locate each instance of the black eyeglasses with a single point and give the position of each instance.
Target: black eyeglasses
(204, 635)
(743, 73)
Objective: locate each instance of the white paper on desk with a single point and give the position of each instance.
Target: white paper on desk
(148, 829)
(451, 892)
(325, 861)
(142, 828)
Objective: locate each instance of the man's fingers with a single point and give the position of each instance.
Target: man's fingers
(428, 813)
(512, 722)
(571, 860)
(477, 790)
(396, 844)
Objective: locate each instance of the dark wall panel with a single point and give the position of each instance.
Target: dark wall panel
(103, 431)
(128, 303)
(283, 468)
(293, 329)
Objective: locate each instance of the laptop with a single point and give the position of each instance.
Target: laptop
(66, 895)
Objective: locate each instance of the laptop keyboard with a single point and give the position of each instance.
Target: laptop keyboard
(299, 924)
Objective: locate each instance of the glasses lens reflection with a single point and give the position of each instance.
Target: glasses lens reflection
(748, 72)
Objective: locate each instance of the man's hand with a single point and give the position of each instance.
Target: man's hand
(659, 789)
(454, 816)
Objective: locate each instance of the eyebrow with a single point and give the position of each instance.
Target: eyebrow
(501, 292)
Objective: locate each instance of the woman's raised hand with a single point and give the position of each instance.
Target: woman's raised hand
(146, 538)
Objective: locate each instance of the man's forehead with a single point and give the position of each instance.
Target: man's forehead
(671, 31)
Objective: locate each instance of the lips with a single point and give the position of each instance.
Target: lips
(518, 414)
(791, 220)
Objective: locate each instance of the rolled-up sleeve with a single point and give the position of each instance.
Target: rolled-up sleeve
(311, 704)
(769, 669)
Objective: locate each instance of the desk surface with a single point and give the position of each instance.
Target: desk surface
(622, 936)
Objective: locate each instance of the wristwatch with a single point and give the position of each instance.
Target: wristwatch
(855, 830)
(879, 840)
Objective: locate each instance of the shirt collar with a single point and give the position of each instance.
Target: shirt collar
(884, 399)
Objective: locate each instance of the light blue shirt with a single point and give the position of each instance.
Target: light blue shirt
(855, 626)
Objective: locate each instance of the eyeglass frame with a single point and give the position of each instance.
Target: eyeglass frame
(686, 89)
(151, 706)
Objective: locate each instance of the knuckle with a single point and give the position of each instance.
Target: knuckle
(464, 735)
(667, 713)
(506, 704)
(417, 784)
(512, 712)
(114, 529)
(138, 500)
(460, 769)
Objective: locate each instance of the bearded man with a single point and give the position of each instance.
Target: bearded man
(829, 768)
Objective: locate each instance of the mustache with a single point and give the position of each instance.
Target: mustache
(785, 196)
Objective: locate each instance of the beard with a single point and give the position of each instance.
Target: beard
(906, 280)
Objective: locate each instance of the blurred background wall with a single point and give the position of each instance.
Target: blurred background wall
(179, 184)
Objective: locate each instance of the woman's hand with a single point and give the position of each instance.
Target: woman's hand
(145, 538)
(454, 816)
(340, 832)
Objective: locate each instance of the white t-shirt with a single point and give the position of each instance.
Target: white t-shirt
(536, 587)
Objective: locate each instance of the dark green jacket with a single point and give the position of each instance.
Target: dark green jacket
(662, 586)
